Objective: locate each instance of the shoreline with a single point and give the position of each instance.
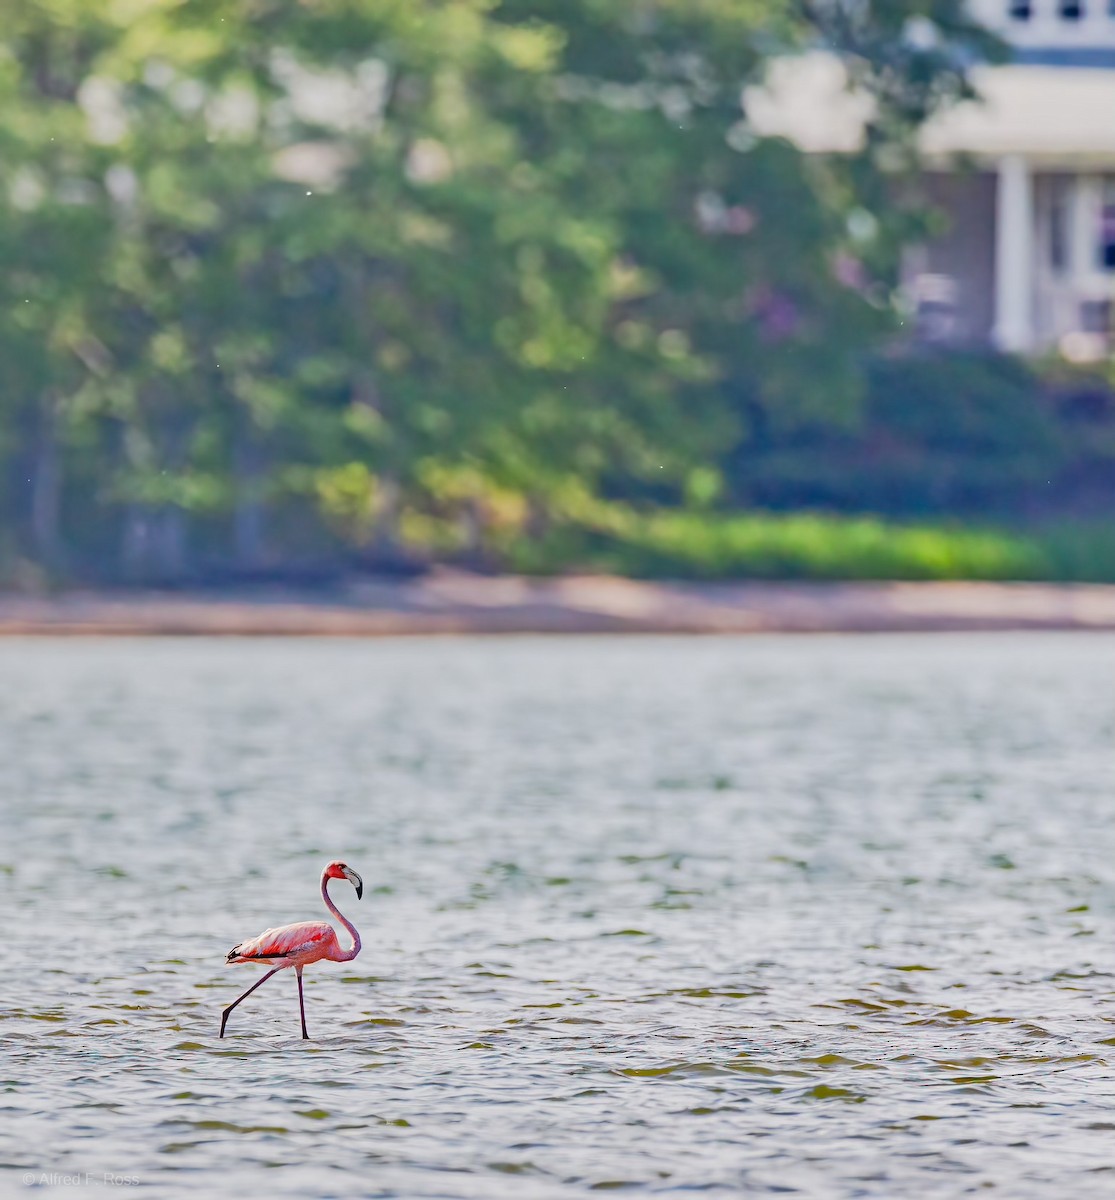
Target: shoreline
(451, 602)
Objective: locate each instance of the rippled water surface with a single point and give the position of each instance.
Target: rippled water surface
(803, 915)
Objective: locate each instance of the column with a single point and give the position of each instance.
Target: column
(1014, 256)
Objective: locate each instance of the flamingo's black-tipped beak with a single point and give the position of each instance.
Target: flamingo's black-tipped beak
(356, 882)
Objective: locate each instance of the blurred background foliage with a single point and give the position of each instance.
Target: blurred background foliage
(292, 287)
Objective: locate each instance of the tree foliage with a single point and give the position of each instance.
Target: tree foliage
(284, 279)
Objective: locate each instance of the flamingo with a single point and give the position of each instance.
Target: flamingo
(300, 944)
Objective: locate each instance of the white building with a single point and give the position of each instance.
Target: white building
(1026, 176)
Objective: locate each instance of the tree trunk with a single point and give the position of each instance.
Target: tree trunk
(471, 521)
(384, 545)
(247, 517)
(170, 543)
(46, 491)
(134, 538)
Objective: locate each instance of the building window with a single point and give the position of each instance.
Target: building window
(1072, 10)
(1107, 236)
(935, 307)
(1057, 229)
(1095, 317)
(1023, 10)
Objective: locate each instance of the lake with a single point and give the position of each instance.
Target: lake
(804, 915)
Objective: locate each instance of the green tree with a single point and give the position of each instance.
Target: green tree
(284, 279)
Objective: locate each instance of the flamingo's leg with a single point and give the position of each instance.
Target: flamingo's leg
(301, 1002)
(258, 983)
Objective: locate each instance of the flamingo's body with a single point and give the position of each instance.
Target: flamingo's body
(300, 944)
(303, 943)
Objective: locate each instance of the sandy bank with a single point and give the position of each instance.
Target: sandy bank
(451, 602)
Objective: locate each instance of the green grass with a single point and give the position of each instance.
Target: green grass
(693, 545)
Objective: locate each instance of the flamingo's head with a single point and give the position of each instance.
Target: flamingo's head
(338, 870)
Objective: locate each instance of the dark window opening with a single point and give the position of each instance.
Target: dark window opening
(1059, 229)
(1107, 237)
(1072, 10)
(1023, 10)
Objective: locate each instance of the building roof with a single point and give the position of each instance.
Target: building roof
(1055, 115)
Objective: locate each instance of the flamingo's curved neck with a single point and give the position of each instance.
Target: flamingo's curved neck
(345, 955)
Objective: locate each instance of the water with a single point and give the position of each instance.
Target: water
(804, 915)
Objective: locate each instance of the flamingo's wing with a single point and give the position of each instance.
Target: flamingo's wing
(285, 941)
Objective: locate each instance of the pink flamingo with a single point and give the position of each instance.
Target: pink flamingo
(299, 945)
